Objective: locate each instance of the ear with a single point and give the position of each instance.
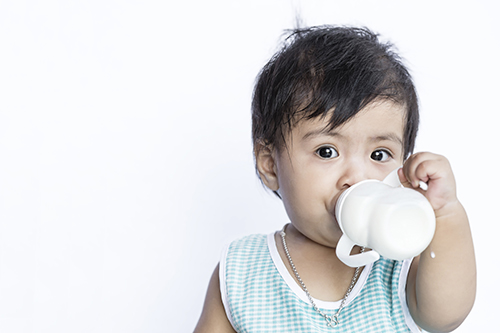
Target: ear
(265, 158)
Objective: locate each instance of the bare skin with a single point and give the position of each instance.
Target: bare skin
(311, 174)
(441, 286)
(320, 265)
(213, 317)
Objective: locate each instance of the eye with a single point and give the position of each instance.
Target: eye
(380, 155)
(327, 152)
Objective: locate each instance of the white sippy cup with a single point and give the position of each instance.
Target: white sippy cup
(395, 222)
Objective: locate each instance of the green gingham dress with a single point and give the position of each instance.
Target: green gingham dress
(260, 295)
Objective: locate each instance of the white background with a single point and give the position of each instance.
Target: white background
(125, 150)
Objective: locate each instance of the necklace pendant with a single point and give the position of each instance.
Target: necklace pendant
(332, 321)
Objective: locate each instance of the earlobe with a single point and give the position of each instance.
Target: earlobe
(266, 165)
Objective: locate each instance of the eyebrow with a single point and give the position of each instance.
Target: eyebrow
(316, 133)
(385, 137)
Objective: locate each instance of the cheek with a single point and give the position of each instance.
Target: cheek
(296, 190)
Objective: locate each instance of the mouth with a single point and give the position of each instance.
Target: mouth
(335, 206)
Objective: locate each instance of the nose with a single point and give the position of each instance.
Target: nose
(352, 173)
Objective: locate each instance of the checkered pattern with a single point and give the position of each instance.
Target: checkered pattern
(259, 300)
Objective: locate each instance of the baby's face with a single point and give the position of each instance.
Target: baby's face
(320, 164)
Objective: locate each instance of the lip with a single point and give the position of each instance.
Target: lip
(334, 204)
(337, 197)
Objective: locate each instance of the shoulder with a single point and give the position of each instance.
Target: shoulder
(250, 242)
(248, 248)
(244, 253)
(248, 279)
(213, 317)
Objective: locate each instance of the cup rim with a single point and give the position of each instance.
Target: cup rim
(340, 201)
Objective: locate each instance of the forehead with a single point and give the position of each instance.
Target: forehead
(379, 118)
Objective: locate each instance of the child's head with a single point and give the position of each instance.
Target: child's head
(327, 68)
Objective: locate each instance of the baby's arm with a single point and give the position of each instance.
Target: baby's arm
(213, 317)
(441, 285)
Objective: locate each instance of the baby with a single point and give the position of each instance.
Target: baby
(333, 107)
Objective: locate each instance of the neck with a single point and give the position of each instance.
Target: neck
(306, 248)
(320, 269)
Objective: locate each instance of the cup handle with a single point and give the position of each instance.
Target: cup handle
(392, 179)
(343, 251)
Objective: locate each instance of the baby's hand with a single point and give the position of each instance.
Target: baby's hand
(435, 170)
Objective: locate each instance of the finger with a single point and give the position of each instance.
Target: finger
(425, 170)
(409, 168)
(402, 178)
(417, 168)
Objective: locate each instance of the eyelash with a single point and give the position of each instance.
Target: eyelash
(388, 152)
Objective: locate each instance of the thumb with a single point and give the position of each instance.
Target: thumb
(402, 179)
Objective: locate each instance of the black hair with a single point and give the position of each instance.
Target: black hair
(324, 68)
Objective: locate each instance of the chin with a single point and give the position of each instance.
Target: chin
(331, 238)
